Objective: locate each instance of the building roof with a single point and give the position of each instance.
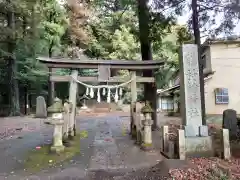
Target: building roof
(117, 64)
(176, 87)
(226, 40)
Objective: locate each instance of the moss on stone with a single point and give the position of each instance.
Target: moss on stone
(147, 144)
(56, 107)
(147, 108)
(40, 159)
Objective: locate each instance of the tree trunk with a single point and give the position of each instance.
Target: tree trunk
(12, 66)
(198, 42)
(51, 85)
(146, 51)
(117, 6)
(150, 90)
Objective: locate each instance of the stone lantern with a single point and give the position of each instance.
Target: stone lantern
(56, 118)
(147, 123)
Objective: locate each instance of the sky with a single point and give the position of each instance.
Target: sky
(182, 20)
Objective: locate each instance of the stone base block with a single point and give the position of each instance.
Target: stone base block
(146, 147)
(203, 131)
(57, 149)
(193, 131)
(199, 146)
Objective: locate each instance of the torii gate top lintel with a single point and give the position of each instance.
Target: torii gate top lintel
(94, 64)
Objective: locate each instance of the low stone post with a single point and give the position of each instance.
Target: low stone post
(66, 107)
(181, 144)
(70, 131)
(165, 139)
(75, 123)
(56, 111)
(147, 133)
(139, 119)
(133, 116)
(226, 144)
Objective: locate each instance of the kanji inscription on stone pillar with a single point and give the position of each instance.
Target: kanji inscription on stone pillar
(190, 90)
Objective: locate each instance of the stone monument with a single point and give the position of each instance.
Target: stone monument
(230, 122)
(196, 134)
(41, 108)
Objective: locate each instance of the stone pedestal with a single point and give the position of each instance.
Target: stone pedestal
(57, 121)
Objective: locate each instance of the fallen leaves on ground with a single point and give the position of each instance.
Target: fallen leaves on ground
(206, 169)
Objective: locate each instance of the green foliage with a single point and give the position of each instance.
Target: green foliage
(30, 71)
(113, 37)
(52, 27)
(101, 29)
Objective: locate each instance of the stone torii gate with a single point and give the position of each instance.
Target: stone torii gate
(104, 67)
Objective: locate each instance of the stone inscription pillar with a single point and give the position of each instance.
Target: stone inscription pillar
(190, 91)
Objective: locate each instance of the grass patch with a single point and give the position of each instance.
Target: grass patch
(83, 134)
(39, 159)
(124, 132)
(147, 145)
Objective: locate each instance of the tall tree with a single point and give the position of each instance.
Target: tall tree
(145, 43)
(12, 65)
(79, 12)
(196, 31)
